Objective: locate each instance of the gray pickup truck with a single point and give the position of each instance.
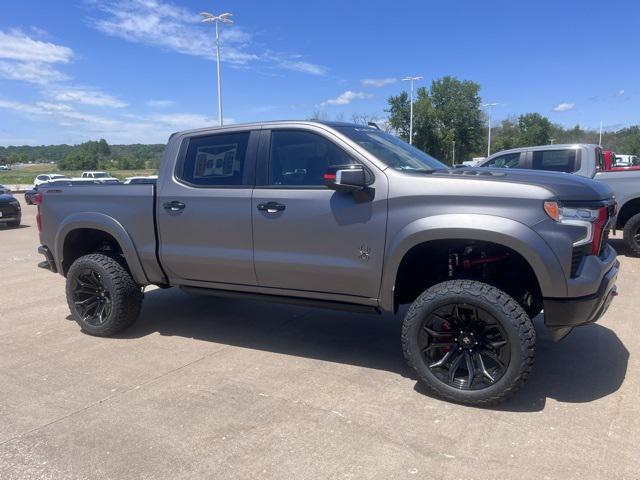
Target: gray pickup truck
(588, 161)
(348, 217)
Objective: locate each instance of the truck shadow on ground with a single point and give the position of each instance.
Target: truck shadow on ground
(589, 364)
(621, 248)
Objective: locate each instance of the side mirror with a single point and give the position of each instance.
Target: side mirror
(345, 178)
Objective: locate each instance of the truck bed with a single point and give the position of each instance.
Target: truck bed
(124, 207)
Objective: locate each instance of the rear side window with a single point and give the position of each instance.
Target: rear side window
(301, 158)
(508, 160)
(215, 160)
(556, 160)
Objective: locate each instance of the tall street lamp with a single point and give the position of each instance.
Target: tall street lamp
(222, 18)
(490, 107)
(411, 79)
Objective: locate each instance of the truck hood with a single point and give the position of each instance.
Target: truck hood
(564, 186)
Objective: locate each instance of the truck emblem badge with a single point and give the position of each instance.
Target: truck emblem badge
(364, 253)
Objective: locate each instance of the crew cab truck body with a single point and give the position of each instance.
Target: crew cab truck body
(341, 216)
(587, 161)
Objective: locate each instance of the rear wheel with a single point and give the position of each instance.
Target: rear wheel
(469, 342)
(102, 296)
(631, 234)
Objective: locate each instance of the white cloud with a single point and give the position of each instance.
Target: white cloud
(15, 45)
(620, 93)
(564, 107)
(346, 98)
(32, 72)
(377, 82)
(26, 59)
(160, 103)
(124, 129)
(159, 24)
(87, 96)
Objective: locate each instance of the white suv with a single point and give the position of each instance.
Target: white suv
(95, 175)
(48, 177)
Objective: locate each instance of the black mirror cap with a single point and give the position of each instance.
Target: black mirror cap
(346, 178)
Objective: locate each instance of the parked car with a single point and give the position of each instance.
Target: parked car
(47, 177)
(10, 211)
(5, 167)
(141, 180)
(343, 216)
(587, 161)
(4, 190)
(95, 174)
(612, 163)
(628, 160)
(30, 194)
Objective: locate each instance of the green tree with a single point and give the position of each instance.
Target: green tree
(534, 129)
(449, 111)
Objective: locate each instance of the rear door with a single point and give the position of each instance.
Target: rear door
(315, 239)
(204, 209)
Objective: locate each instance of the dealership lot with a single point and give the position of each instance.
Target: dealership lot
(215, 388)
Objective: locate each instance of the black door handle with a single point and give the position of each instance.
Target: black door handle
(174, 206)
(271, 207)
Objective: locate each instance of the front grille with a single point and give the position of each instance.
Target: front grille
(8, 210)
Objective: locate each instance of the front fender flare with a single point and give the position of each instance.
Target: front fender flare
(489, 228)
(107, 224)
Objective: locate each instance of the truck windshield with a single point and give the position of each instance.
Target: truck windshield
(391, 150)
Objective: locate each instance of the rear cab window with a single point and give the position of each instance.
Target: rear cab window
(565, 160)
(218, 160)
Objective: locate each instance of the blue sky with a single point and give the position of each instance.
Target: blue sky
(136, 70)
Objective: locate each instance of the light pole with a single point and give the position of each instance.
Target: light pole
(224, 18)
(411, 79)
(490, 107)
(600, 140)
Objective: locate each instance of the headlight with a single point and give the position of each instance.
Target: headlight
(593, 219)
(15, 203)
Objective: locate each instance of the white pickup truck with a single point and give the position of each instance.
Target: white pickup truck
(587, 161)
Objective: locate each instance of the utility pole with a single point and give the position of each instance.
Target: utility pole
(600, 141)
(490, 107)
(411, 79)
(453, 154)
(224, 18)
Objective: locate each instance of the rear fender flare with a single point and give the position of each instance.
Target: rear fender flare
(107, 224)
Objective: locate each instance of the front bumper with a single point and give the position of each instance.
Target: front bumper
(561, 315)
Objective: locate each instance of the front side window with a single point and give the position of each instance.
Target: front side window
(556, 160)
(215, 160)
(300, 158)
(509, 160)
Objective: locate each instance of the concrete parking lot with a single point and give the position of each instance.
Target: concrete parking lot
(214, 388)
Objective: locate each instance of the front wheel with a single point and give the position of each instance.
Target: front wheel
(102, 296)
(631, 234)
(469, 342)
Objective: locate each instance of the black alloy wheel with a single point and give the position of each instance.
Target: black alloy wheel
(464, 346)
(91, 297)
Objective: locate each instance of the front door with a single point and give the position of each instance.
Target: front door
(313, 238)
(204, 210)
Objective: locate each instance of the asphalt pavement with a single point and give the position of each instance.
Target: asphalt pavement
(202, 387)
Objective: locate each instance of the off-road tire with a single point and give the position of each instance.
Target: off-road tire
(631, 229)
(126, 297)
(509, 314)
